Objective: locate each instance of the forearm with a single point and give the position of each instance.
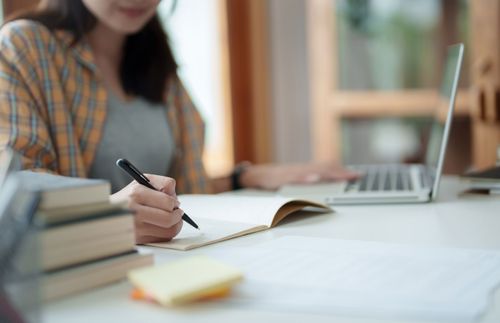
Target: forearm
(273, 176)
(247, 179)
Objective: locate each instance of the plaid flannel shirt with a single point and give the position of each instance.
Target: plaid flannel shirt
(53, 106)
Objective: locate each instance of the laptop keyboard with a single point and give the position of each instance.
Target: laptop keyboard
(381, 178)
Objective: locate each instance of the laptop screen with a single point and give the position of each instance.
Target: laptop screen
(438, 139)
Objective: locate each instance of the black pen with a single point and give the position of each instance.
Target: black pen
(141, 179)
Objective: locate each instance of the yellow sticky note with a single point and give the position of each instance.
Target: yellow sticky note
(185, 280)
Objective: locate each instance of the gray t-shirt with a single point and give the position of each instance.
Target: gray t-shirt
(138, 131)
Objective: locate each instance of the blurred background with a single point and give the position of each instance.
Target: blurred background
(351, 80)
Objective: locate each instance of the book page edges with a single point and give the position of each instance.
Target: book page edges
(89, 276)
(294, 206)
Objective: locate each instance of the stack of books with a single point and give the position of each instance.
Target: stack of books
(85, 240)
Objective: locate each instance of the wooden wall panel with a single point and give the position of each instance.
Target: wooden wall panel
(325, 120)
(249, 79)
(238, 21)
(485, 74)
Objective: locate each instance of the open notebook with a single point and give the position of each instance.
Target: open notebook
(223, 217)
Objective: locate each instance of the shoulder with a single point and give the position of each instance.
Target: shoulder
(24, 31)
(23, 36)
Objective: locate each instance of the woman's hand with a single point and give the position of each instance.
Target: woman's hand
(157, 214)
(272, 176)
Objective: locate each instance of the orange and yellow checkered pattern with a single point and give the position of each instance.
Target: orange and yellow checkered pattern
(53, 106)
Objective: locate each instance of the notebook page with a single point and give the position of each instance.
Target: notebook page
(257, 210)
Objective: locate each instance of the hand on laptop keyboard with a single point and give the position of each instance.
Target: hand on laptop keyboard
(272, 177)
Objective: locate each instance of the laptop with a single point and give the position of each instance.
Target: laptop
(397, 183)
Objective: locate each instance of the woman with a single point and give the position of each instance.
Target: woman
(85, 82)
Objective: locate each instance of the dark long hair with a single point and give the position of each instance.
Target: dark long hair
(148, 61)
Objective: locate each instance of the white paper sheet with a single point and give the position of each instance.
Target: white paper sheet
(365, 278)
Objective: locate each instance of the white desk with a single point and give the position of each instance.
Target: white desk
(471, 222)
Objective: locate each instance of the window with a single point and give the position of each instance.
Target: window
(375, 70)
(393, 44)
(194, 29)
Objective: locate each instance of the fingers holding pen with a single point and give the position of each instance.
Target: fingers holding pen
(157, 215)
(149, 215)
(148, 233)
(153, 198)
(156, 199)
(163, 184)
